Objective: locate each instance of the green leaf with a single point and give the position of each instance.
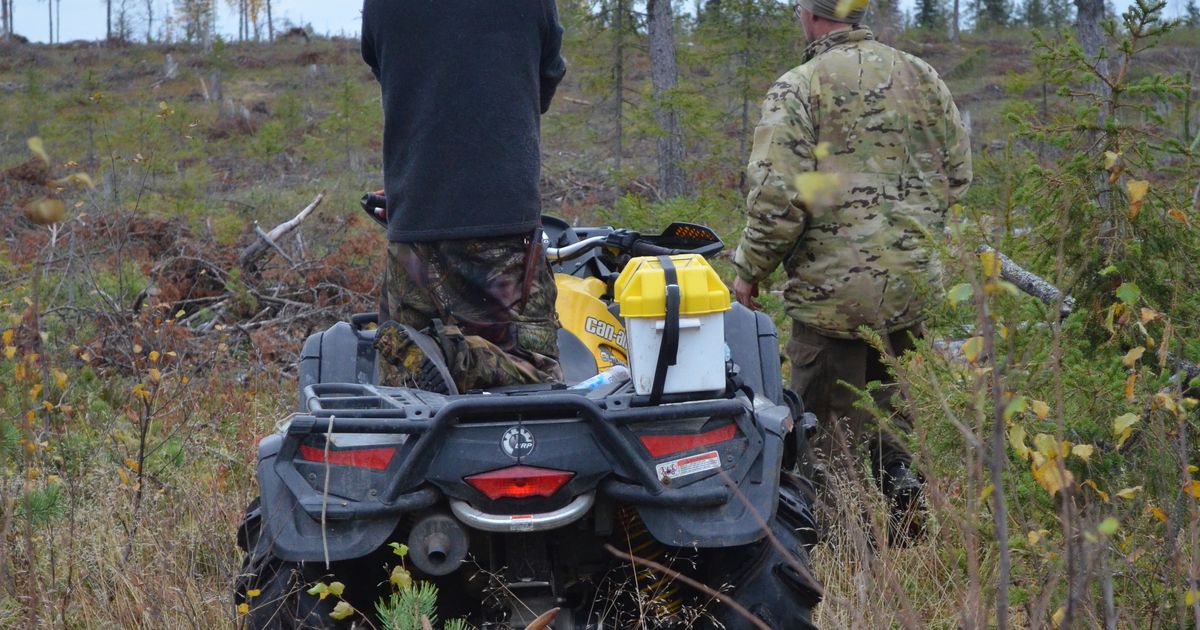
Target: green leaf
(341, 611)
(1108, 271)
(960, 293)
(1109, 526)
(336, 589)
(1129, 293)
(399, 549)
(1015, 406)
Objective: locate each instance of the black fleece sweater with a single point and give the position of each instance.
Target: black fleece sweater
(464, 85)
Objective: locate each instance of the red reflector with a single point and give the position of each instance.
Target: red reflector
(663, 445)
(371, 458)
(520, 482)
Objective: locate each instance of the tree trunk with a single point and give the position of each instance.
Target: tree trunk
(50, 13)
(1091, 34)
(149, 21)
(108, 23)
(618, 22)
(664, 75)
(954, 21)
(3, 20)
(270, 23)
(747, 35)
(58, 20)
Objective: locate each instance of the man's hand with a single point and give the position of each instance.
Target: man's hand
(746, 293)
(381, 212)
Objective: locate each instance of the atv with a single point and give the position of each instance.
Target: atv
(521, 500)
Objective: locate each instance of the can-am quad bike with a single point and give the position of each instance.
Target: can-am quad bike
(507, 498)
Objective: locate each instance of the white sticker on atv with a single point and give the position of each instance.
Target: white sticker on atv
(689, 465)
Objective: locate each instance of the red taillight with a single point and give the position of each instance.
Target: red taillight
(663, 445)
(370, 458)
(520, 482)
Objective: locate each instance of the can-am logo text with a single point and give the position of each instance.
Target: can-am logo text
(517, 442)
(605, 330)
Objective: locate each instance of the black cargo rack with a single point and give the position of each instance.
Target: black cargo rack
(362, 409)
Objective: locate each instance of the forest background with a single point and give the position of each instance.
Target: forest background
(144, 352)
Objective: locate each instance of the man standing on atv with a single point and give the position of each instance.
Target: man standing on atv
(464, 86)
(859, 154)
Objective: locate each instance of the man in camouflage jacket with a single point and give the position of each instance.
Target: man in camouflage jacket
(859, 154)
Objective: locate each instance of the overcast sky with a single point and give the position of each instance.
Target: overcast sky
(84, 19)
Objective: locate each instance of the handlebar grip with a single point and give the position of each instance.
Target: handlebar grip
(642, 248)
(371, 202)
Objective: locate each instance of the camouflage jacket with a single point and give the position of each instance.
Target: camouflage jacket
(879, 132)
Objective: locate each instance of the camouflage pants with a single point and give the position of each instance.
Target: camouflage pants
(496, 331)
(820, 365)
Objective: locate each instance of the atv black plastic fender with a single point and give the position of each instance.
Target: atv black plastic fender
(754, 347)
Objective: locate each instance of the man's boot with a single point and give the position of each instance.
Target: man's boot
(409, 358)
(905, 492)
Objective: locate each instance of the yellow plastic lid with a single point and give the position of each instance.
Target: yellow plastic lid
(641, 290)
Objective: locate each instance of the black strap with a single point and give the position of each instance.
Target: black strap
(668, 352)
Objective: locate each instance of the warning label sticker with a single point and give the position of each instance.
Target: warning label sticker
(689, 465)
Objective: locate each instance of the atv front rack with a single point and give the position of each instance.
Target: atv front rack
(367, 409)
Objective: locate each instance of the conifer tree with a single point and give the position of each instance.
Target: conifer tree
(930, 14)
(1034, 14)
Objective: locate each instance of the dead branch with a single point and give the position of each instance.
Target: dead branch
(265, 243)
(1031, 283)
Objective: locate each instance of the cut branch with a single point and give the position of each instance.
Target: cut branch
(267, 242)
(1031, 283)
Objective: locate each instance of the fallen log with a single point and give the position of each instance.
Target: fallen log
(267, 242)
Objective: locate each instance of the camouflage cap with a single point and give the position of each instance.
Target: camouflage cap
(851, 11)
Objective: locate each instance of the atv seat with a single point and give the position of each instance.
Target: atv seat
(577, 361)
(345, 353)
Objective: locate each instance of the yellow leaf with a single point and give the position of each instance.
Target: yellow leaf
(1040, 408)
(38, 148)
(817, 190)
(321, 589)
(1123, 427)
(1049, 476)
(60, 378)
(401, 578)
(8, 337)
(243, 608)
(846, 7)
(1036, 535)
(1058, 616)
(341, 611)
(821, 151)
(336, 589)
(1190, 597)
(990, 263)
(1178, 215)
(1149, 315)
(1129, 493)
(1193, 469)
(131, 464)
(1133, 356)
(1157, 513)
(10, 352)
(1137, 194)
(1192, 488)
(45, 211)
(1016, 438)
(1046, 445)
(1102, 494)
(986, 493)
(1111, 160)
(1083, 451)
(973, 348)
(1165, 401)
(1130, 382)
(154, 356)
(254, 592)
(155, 375)
(75, 178)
